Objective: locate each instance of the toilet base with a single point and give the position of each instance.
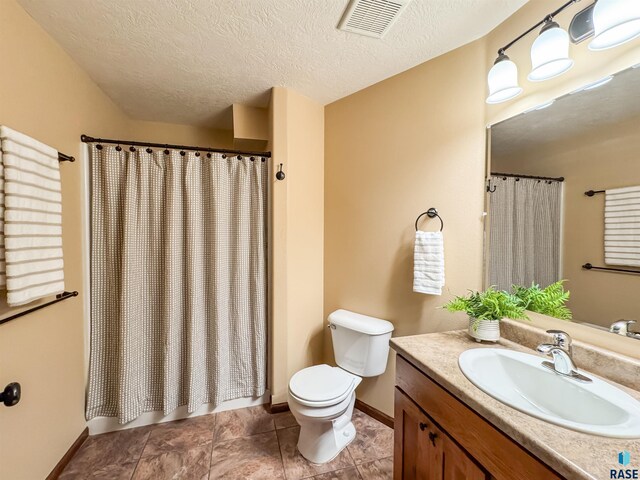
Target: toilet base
(322, 441)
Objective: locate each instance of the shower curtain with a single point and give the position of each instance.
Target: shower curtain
(178, 280)
(524, 233)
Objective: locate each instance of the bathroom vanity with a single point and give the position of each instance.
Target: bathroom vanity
(447, 428)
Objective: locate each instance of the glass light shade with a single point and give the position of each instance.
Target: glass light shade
(550, 54)
(615, 22)
(503, 81)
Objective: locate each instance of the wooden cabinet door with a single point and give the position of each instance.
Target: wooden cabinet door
(414, 455)
(457, 465)
(424, 452)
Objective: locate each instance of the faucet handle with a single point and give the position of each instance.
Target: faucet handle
(621, 327)
(561, 339)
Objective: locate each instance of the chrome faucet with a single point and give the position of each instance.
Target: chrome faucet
(561, 350)
(621, 327)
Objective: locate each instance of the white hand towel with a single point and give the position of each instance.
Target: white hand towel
(428, 263)
(31, 227)
(622, 226)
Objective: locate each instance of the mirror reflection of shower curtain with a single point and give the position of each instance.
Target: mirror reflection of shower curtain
(178, 280)
(524, 232)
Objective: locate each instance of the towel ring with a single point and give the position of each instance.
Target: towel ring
(431, 213)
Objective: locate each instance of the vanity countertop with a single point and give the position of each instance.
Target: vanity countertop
(574, 455)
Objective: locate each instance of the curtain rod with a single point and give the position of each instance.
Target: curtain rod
(88, 139)
(65, 158)
(515, 175)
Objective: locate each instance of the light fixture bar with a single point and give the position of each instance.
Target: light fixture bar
(547, 18)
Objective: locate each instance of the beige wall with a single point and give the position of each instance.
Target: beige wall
(297, 141)
(594, 160)
(392, 151)
(158, 132)
(46, 95)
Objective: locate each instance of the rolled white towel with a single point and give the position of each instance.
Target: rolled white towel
(428, 263)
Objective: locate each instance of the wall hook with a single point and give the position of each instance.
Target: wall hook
(280, 174)
(489, 189)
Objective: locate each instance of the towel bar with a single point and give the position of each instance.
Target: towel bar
(431, 213)
(60, 297)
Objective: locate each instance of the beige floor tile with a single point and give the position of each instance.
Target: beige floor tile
(191, 464)
(377, 470)
(181, 434)
(373, 441)
(242, 423)
(284, 420)
(111, 455)
(344, 474)
(256, 457)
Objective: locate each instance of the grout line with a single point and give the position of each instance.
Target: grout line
(141, 453)
(284, 470)
(213, 441)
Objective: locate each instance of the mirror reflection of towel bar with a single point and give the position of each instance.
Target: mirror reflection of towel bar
(588, 266)
(591, 193)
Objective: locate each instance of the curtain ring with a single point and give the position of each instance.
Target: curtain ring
(149, 150)
(132, 148)
(118, 148)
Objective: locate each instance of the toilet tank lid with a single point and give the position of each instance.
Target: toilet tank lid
(360, 323)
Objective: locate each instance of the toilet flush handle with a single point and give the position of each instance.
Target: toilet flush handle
(331, 326)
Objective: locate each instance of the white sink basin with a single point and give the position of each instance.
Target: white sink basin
(518, 380)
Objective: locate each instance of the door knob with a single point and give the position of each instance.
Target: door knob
(11, 394)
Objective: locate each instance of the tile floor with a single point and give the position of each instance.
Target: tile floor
(240, 444)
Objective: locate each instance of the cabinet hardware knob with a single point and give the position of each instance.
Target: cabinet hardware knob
(432, 437)
(423, 426)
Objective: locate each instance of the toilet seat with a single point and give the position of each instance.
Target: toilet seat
(322, 385)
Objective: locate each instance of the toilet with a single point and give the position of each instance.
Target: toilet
(321, 398)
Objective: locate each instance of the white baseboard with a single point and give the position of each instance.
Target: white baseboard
(110, 424)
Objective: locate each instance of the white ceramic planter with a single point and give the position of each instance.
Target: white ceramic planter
(488, 330)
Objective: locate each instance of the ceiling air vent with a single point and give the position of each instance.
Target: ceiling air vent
(372, 18)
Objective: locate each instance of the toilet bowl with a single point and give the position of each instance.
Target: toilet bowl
(322, 397)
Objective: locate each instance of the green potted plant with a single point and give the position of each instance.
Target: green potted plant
(548, 301)
(485, 310)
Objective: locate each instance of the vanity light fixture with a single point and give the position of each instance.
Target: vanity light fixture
(503, 80)
(615, 22)
(549, 57)
(550, 53)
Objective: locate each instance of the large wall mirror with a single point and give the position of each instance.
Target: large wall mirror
(564, 183)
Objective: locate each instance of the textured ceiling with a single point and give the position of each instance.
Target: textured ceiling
(570, 116)
(187, 61)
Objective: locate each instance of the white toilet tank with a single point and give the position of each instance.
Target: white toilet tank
(360, 343)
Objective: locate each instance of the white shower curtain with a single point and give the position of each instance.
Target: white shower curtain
(524, 234)
(178, 280)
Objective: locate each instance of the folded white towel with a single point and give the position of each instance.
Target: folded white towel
(428, 263)
(31, 218)
(622, 226)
